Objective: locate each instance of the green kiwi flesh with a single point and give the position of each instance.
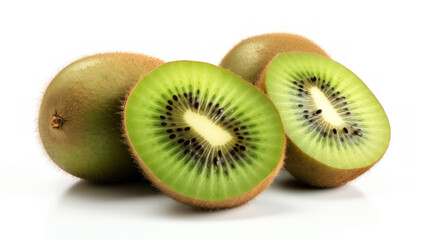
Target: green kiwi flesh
(250, 56)
(204, 136)
(80, 121)
(336, 126)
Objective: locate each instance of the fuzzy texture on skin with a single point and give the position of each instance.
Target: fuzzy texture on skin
(315, 173)
(249, 57)
(87, 96)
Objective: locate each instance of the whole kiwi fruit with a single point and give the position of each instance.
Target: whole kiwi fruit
(249, 57)
(80, 116)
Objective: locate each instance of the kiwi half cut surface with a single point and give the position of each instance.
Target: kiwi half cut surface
(336, 126)
(204, 136)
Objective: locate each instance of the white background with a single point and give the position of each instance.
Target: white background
(385, 43)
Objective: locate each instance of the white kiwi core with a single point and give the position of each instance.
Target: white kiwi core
(328, 112)
(205, 127)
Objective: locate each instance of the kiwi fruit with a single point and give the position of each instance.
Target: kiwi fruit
(250, 56)
(80, 123)
(202, 135)
(336, 127)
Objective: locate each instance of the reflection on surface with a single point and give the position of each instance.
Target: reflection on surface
(290, 184)
(85, 191)
(100, 211)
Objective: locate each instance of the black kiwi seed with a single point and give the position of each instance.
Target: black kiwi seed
(172, 136)
(186, 128)
(162, 117)
(170, 102)
(334, 131)
(319, 111)
(187, 142)
(220, 111)
(169, 108)
(163, 124)
(345, 130)
(180, 140)
(242, 148)
(175, 97)
(216, 161)
(169, 131)
(185, 95)
(300, 105)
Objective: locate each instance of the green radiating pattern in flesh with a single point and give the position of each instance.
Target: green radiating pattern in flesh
(179, 156)
(362, 137)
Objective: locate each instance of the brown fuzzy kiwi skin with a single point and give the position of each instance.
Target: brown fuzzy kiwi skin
(308, 169)
(315, 173)
(87, 95)
(249, 57)
(196, 202)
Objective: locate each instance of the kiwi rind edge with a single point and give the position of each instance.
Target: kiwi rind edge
(196, 202)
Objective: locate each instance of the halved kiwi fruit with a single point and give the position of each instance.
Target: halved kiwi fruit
(204, 136)
(336, 126)
(250, 56)
(80, 123)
